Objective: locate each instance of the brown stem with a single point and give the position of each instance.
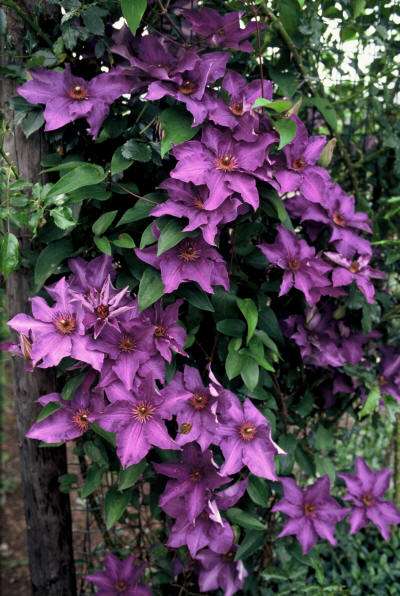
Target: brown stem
(397, 460)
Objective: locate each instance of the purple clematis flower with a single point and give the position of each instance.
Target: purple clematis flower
(104, 307)
(89, 275)
(301, 156)
(239, 109)
(57, 331)
(223, 164)
(389, 372)
(191, 260)
(129, 347)
(190, 87)
(365, 490)
(73, 417)
(194, 477)
(221, 571)
(324, 202)
(312, 511)
(187, 200)
(246, 439)
(223, 31)
(68, 97)
(137, 419)
(303, 269)
(196, 412)
(357, 270)
(168, 335)
(119, 578)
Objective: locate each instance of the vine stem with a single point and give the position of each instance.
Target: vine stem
(28, 20)
(14, 170)
(313, 91)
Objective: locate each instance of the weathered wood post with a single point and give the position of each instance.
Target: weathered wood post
(47, 510)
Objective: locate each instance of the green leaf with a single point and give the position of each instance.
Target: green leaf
(372, 401)
(115, 504)
(103, 222)
(9, 254)
(151, 288)
(84, 175)
(358, 7)
(281, 212)
(124, 241)
(128, 477)
(109, 437)
(258, 491)
(93, 480)
(249, 545)
(170, 235)
(140, 211)
(324, 106)
(196, 297)
(72, 385)
(250, 313)
(119, 163)
(176, 125)
(103, 244)
(47, 410)
(231, 327)
(49, 260)
(244, 519)
(323, 438)
(249, 372)
(286, 129)
(93, 21)
(278, 105)
(325, 466)
(63, 217)
(137, 151)
(133, 11)
(233, 365)
(32, 122)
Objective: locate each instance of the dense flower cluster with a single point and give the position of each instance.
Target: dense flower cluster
(124, 353)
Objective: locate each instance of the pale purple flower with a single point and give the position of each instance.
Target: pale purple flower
(302, 268)
(190, 260)
(355, 270)
(57, 331)
(168, 335)
(195, 476)
(312, 512)
(389, 372)
(190, 87)
(245, 439)
(137, 418)
(68, 97)
(72, 419)
(87, 275)
(129, 346)
(187, 200)
(223, 31)
(196, 412)
(119, 578)
(104, 307)
(223, 164)
(365, 491)
(221, 571)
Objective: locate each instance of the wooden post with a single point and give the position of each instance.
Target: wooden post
(47, 510)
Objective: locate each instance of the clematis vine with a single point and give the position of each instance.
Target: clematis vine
(119, 578)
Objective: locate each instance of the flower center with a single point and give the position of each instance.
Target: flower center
(198, 203)
(160, 331)
(199, 401)
(187, 87)
(81, 419)
(120, 585)
(185, 428)
(368, 500)
(127, 343)
(309, 509)
(382, 380)
(188, 253)
(247, 431)
(299, 164)
(354, 267)
(339, 220)
(229, 556)
(102, 311)
(78, 93)
(144, 411)
(236, 107)
(226, 163)
(196, 475)
(65, 323)
(294, 264)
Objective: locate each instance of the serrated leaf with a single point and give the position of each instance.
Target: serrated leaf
(244, 519)
(133, 11)
(9, 254)
(128, 477)
(103, 222)
(151, 288)
(115, 504)
(49, 259)
(176, 125)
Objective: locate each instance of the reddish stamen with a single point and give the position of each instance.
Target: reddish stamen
(226, 163)
(143, 412)
(236, 107)
(309, 509)
(188, 253)
(368, 500)
(299, 164)
(65, 323)
(102, 311)
(120, 585)
(185, 428)
(294, 264)
(339, 220)
(195, 475)
(160, 331)
(127, 343)
(81, 419)
(78, 93)
(187, 87)
(247, 431)
(199, 401)
(354, 267)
